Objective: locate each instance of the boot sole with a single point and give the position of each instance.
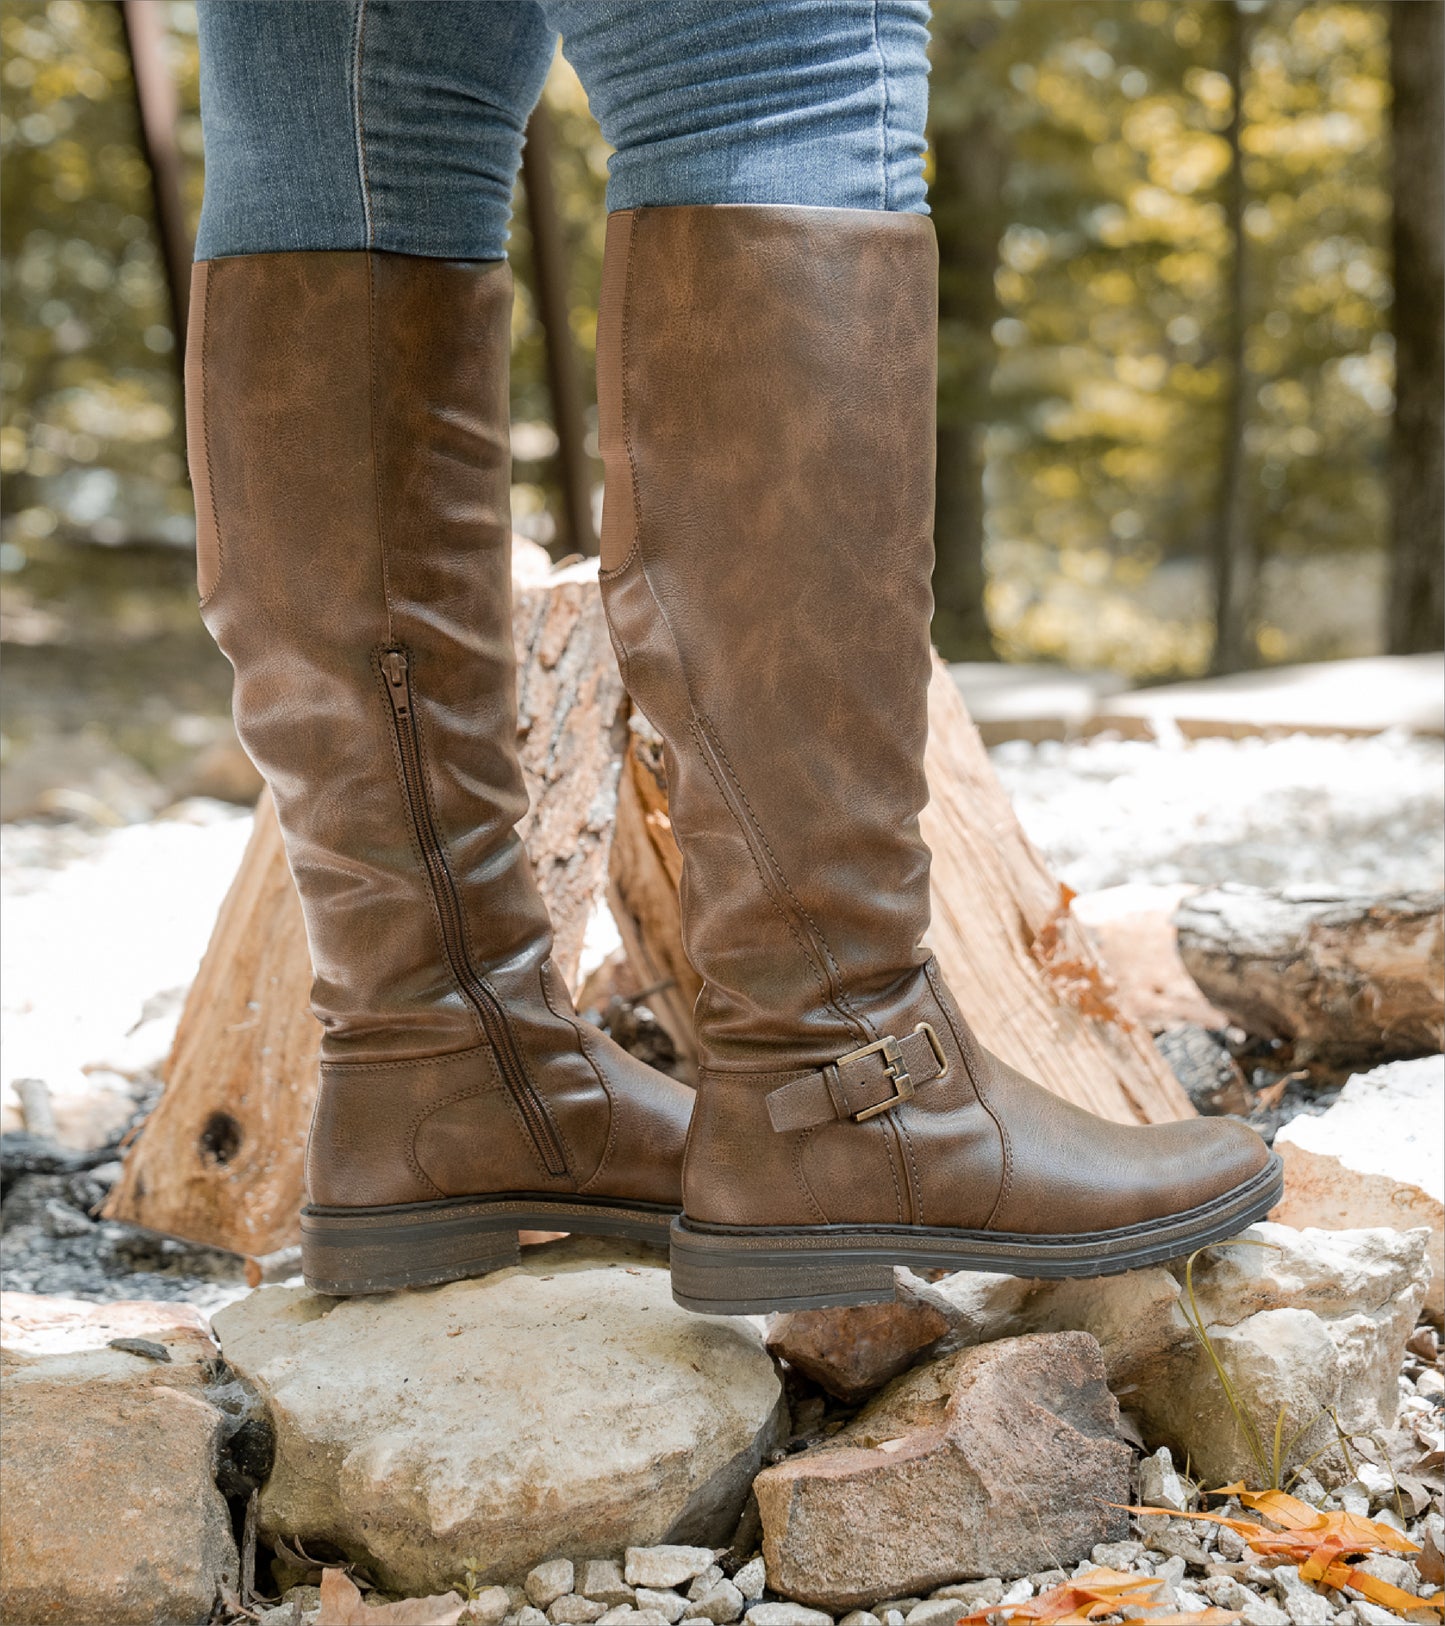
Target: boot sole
(346, 1252)
(761, 1269)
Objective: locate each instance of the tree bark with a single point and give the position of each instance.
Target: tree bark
(1344, 980)
(971, 162)
(1235, 562)
(1416, 615)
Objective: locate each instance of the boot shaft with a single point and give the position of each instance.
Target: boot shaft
(348, 418)
(766, 382)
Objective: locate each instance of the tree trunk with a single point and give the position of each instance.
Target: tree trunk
(1416, 614)
(1235, 563)
(971, 165)
(220, 1158)
(1344, 980)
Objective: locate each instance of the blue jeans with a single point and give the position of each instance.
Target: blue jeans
(398, 124)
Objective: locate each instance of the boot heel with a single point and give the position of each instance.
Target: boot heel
(377, 1254)
(731, 1275)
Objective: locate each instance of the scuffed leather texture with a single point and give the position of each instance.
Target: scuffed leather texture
(766, 395)
(348, 418)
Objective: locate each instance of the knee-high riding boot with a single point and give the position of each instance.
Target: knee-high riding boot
(766, 387)
(348, 429)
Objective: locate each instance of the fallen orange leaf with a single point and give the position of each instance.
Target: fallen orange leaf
(1091, 1595)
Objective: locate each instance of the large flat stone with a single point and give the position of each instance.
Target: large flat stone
(566, 1407)
(999, 1460)
(1375, 1156)
(107, 1477)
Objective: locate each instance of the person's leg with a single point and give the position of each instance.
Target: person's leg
(816, 102)
(766, 373)
(347, 409)
(365, 124)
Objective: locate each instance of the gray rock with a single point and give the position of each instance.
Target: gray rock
(489, 1608)
(1228, 1593)
(1160, 1484)
(933, 1612)
(902, 1606)
(575, 1611)
(531, 1616)
(704, 1583)
(786, 1614)
(722, 1603)
(1115, 1555)
(994, 1461)
(1305, 1607)
(411, 1428)
(665, 1566)
(1371, 1614)
(892, 1617)
(667, 1603)
(602, 1581)
(1314, 1321)
(111, 1510)
(860, 1617)
(1019, 1592)
(1042, 1581)
(549, 1581)
(752, 1578)
(973, 1594)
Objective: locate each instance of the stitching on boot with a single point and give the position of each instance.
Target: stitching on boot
(798, 1173)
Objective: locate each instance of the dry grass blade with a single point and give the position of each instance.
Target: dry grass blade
(1093, 1596)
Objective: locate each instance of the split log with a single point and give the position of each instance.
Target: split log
(1344, 979)
(220, 1159)
(1024, 971)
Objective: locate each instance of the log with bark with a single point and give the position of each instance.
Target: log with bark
(220, 1159)
(1342, 979)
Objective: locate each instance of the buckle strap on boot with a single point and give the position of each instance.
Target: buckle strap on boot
(860, 1085)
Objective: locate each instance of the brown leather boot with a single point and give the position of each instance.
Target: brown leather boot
(348, 428)
(766, 381)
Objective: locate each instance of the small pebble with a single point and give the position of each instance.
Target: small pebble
(1117, 1555)
(934, 1612)
(902, 1605)
(670, 1605)
(752, 1578)
(892, 1617)
(665, 1567)
(1019, 1592)
(549, 1581)
(602, 1582)
(1047, 1578)
(1160, 1483)
(531, 1616)
(1371, 1614)
(722, 1603)
(575, 1611)
(860, 1617)
(705, 1582)
(976, 1594)
(490, 1607)
(786, 1614)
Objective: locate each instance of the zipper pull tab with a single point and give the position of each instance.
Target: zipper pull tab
(398, 682)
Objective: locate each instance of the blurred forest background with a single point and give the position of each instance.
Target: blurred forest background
(1190, 384)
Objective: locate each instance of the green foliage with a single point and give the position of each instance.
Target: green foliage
(1108, 388)
(1079, 162)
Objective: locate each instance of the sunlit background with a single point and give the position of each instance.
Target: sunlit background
(1168, 377)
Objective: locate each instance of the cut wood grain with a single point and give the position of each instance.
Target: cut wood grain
(220, 1159)
(1344, 979)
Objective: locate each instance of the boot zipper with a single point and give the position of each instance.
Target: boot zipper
(397, 671)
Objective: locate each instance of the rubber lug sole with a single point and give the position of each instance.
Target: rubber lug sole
(717, 1270)
(351, 1251)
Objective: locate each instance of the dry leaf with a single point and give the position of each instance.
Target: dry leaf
(343, 1605)
(1317, 1542)
(1091, 1595)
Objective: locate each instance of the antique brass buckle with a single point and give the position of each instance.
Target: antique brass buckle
(895, 1067)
